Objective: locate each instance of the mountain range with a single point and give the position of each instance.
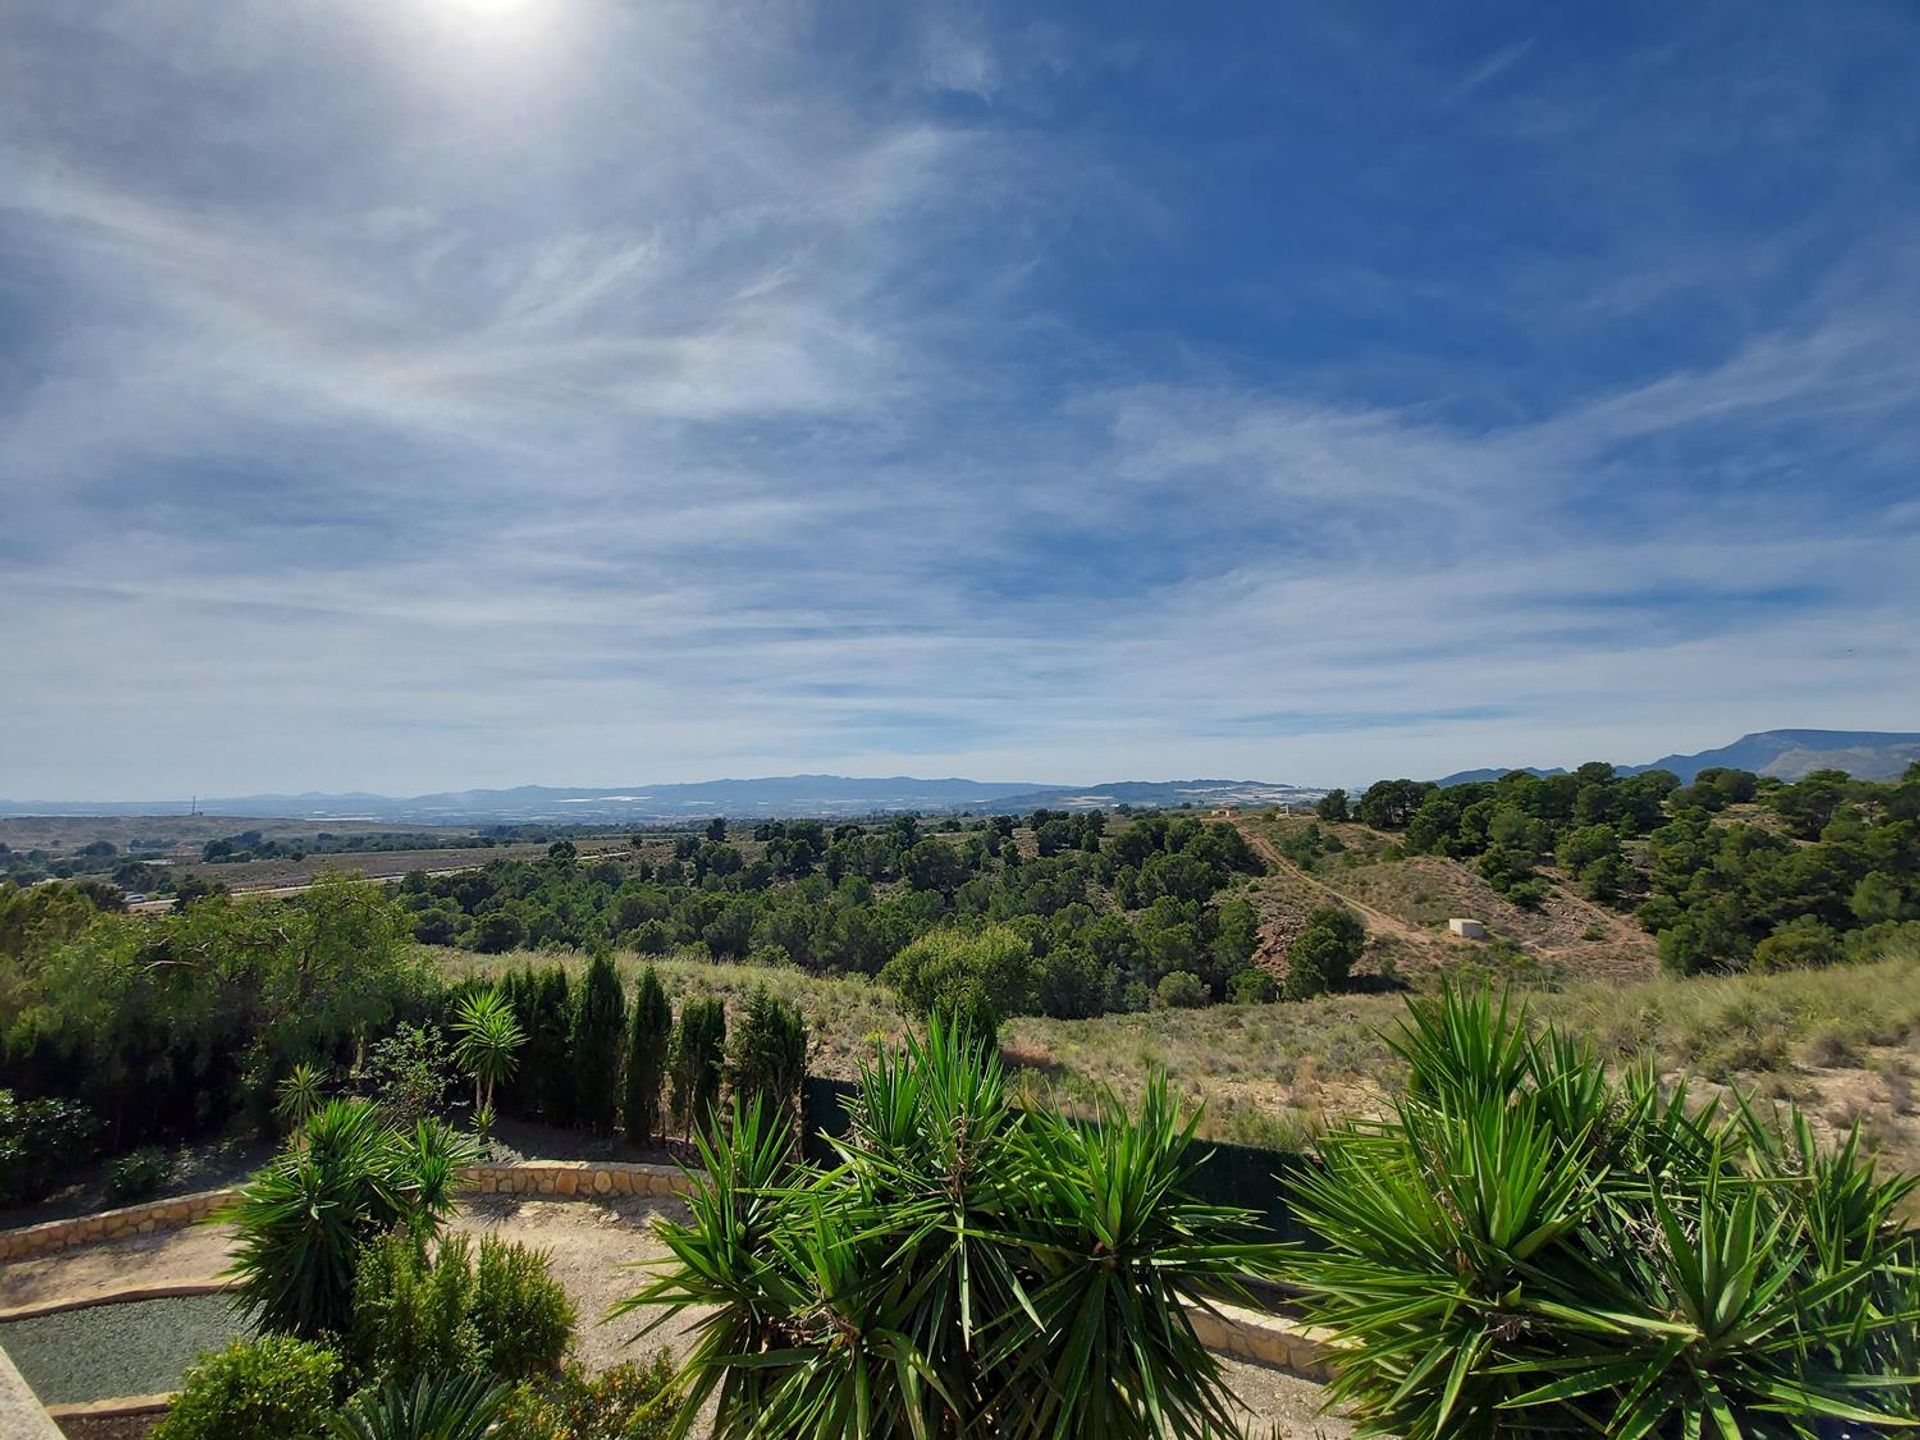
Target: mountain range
(764, 798)
(1786, 754)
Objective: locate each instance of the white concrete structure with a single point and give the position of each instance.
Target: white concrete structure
(1467, 929)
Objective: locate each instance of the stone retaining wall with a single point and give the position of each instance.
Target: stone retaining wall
(583, 1179)
(168, 1214)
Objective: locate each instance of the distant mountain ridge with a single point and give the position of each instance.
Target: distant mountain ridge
(1786, 754)
(768, 797)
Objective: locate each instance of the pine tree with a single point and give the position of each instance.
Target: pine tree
(649, 1043)
(599, 1027)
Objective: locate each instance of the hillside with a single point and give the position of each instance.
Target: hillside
(1783, 754)
(1406, 901)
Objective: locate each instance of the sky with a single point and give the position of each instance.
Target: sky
(406, 395)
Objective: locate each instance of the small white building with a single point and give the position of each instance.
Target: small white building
(1467, 929)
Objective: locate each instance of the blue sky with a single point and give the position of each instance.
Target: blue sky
(411, 394)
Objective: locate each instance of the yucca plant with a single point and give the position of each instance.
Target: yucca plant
(300, 1221)
(488, 1045)
(964, 1270)
(1531, 1248)
(433, 1407)
(299, 1095)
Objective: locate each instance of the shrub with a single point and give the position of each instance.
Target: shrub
(1252, 986)
(973, 980)
(407, 1074)
(1322, 954)
(598, 1036)
(1532, 1247)
(521, 1313)
(1799, 944)
(630, 1401)
(649, 1040)
(1181, 990)
(768, 1060)
(41, 1143)
(138, 1174)
(417, 1315)
(270, 1388)
(300, 1222)
(699, 1048)
(1008, 1273)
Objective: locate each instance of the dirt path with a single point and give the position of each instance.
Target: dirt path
(1377, 919)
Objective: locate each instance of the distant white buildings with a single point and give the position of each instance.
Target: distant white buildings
(1467, 929)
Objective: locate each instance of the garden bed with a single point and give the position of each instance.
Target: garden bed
(135, 1347)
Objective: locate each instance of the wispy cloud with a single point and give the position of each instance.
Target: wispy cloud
(424, 394)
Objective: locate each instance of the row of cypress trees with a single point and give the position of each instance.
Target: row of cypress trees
(596, 1063)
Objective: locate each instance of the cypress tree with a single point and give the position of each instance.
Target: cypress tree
(599, 1027)
(553, 1083)
(699, 1056)
(649, 1039)
(768, 1061)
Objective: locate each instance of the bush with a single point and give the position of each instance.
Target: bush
(1252, 986)
(1012, 1274)
(627, 1402)
(1181, 990)
(417, 1315)
(1532, 1247)
(139, 1174)
(595, 1045)
(973, 980)
(521, 1313)
(649, 1042)
(271, 1388)
(42, 1142)
(1802, 944)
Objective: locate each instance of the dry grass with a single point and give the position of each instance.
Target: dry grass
(1843, 1042)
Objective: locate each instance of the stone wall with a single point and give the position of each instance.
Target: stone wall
(168, 1214)
(583, 1179)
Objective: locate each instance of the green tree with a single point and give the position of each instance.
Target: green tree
(767, 1060)
(1332, 806)
(698, 1065)
(599, 1032)
(649, 1045)
(548, 1056)
(974, 979)
(1322, 954)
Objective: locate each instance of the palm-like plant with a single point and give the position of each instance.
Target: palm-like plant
(300, 1222)
(1530, 1247)
(434, 1407)
(965, 1270)
(299, 1095)
(489, 1042)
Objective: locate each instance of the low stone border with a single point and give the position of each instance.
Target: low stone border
(583, 1179)
(1264, 1339)
(144, 1219)
(21, 1416)
(116, 1297)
